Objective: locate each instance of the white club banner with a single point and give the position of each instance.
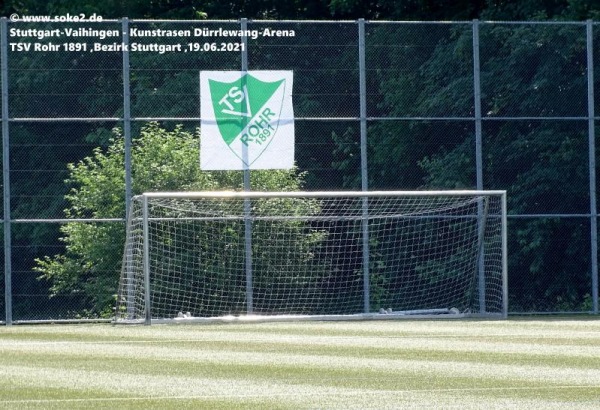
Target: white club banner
(247, 120)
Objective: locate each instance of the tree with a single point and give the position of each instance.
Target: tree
(162, 160)
(526, 71)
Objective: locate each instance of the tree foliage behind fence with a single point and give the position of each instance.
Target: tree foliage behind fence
(446, 105)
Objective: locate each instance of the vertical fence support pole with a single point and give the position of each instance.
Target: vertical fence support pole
(478, 159)
(362, 78)
(6, 172)
(592, 166)
(127, 142)
(247, 204)
(126, 115)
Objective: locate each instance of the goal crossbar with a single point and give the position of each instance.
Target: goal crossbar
(318, 194)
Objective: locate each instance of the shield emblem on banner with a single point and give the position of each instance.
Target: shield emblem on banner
(247, 114)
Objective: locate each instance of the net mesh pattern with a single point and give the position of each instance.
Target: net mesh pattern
(212, 257)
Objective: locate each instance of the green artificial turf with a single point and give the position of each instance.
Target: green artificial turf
(532, 363)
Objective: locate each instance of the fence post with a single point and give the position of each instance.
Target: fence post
(127, 148)
(477, 106)
(478, 159)
(592, 166)
(6, 172)
(362, 79)
(247, 203)
(126, 115)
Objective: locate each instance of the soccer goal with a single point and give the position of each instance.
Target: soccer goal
(199, 256)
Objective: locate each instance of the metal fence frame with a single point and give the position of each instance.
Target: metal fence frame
(362, 119)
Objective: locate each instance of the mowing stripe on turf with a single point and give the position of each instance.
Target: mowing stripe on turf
(517, 364)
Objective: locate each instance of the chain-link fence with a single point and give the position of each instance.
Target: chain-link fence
(423, 105)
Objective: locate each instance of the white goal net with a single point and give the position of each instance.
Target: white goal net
(322, 255)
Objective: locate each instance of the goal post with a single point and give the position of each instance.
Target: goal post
(314, 255)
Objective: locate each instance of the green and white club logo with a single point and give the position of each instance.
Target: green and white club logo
(247, 120)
